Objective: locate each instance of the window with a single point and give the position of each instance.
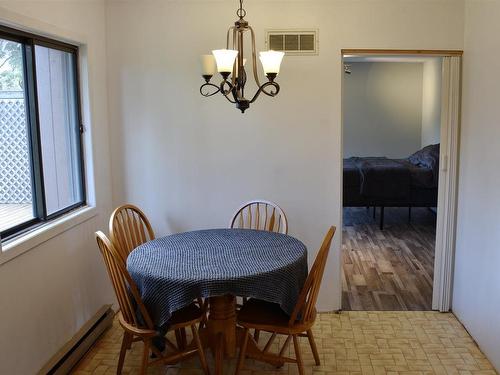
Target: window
(41, 166)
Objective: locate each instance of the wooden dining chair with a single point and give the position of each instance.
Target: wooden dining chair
(128, 228)
(260, 214)
(269, 317)
(143, 330)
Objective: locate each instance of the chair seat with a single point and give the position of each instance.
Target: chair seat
(267, 316)
(180, 318)
(185, 316)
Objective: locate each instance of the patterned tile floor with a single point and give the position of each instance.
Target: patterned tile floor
(352, 342)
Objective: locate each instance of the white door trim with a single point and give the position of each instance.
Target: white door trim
(447, 196)
(448, 174)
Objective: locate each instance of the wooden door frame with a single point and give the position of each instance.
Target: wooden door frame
(446, 216)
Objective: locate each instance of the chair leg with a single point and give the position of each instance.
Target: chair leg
(382, 218)
(298, 355)
(283, 349)
(285, 346)
(184, 338)
(256, 335)
(243, 351)
(180, 335)
(126, 341)
(270, 342)
(145, 357)
(201, 352)
(204, 307)
(314, 348)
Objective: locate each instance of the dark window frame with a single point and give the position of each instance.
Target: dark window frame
(29, 41)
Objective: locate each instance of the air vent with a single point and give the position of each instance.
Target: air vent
(293, 42)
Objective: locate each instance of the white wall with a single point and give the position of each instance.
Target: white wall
(431, 102)
(190, 161)
(382, 107)
(476, 297)
(49, 292)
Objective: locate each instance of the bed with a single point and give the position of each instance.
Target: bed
(383, 182)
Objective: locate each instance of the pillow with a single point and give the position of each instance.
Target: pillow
(428, 157)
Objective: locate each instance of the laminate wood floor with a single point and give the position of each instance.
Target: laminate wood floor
(390, 269)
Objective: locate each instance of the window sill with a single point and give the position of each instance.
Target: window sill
(25, 242)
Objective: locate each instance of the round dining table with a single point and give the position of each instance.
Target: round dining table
(218, 264)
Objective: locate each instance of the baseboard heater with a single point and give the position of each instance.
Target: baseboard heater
(69, 355)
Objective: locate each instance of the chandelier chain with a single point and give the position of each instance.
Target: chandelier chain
(241, 12)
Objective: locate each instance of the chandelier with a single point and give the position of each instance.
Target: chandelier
(230, 63)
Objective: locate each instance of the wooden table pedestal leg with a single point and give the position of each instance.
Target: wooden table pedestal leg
(221, 329)
(222, 336)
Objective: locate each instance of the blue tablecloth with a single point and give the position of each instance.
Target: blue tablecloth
(172, 271)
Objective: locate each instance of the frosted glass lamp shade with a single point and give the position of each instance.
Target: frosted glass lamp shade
(225, 59)
(271, 61)
(208, 66)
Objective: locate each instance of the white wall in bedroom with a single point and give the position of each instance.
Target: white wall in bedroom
(190, 161)
(382, 109)
(476, 297)
(49, 292)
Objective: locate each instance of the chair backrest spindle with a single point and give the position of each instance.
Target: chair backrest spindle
(261, 215)
(129, 227)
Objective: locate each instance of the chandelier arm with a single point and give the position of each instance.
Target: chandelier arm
(224, 83)
(227, 92)
(235, 95)
(262, 90)
(233, 76)
(240, 67)
(208, 93)
(228, 36)
(254, 57)
(271, 94)
(229, 99)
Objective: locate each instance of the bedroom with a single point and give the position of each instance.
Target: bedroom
(391, 141)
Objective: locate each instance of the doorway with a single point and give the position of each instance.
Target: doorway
(400, 113)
